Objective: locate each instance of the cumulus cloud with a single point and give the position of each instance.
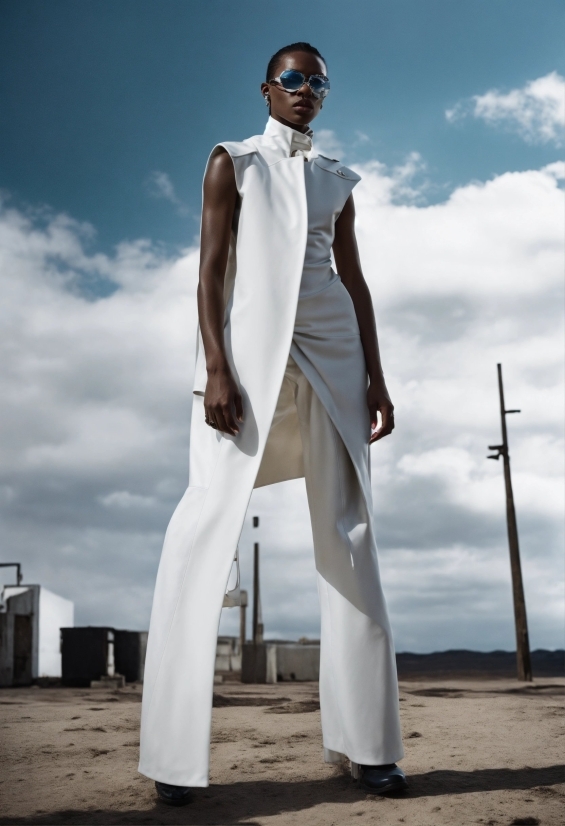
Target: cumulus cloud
(95, 390)
(160, 186)
(403, 183)
(536, 112)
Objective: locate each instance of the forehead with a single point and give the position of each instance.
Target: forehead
(305, 62)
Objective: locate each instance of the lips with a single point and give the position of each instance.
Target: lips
(302, 104)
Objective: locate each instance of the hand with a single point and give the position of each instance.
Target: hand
(378, 400)
(223, 404)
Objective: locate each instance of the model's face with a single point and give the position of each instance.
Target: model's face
(296, 109)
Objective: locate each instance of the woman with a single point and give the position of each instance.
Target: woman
(288, 383)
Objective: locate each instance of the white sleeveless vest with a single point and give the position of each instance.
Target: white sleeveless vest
(264, 319)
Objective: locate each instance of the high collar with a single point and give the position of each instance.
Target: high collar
(289, 141)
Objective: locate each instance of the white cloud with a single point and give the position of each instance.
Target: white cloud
(362, 137)
(327, 143)
(400, 184)
(95, 400)
(159, 185)
(125, 499)
(536, 112)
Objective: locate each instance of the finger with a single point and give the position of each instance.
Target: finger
(388, 421)
(374, 421)
(212, 421)
(220, 421)
(238, 401)
(387, 424)
(228, 412)
(373, 414)
(378, 434)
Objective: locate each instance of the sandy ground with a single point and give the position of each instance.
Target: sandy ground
(477, 751)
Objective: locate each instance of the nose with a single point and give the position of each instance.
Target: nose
(305, 90)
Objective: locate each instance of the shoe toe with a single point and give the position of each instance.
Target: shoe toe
(381, 780)
(173, 795)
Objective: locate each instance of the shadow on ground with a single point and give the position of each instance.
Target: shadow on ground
(528, 690)
(240, 803)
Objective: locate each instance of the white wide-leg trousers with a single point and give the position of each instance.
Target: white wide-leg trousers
(358, 681)
(358, 686)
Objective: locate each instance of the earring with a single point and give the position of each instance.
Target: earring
(321, 105)
(266, 100)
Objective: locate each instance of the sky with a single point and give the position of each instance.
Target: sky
(452, 113)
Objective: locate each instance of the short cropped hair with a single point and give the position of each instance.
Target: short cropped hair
(292, 47)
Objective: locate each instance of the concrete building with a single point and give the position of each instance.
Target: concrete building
(31, 618)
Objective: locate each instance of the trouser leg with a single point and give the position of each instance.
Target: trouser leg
(358, 682)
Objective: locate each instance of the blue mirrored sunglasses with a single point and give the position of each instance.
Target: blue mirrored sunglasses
(292, 81)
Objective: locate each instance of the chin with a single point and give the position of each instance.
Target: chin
(301, 117)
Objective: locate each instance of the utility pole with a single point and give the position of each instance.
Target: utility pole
(243, 620)
(257, 619)
(522, 642)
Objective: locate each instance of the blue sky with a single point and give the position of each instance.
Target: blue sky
(453, 114)
(97, 95)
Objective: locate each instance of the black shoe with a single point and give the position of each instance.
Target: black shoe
(173, 795)
(382, 779)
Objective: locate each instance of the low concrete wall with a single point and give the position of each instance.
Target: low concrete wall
(279, 662)
(298, 662)
(228, 654)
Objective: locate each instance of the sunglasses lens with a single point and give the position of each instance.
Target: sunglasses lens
(292, 80)
(319, 85)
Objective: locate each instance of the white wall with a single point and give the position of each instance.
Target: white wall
(55, 613)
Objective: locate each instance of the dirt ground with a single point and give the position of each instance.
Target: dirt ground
(477, 751)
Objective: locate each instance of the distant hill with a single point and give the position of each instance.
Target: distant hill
(462, 663)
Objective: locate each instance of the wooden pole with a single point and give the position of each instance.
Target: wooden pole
(256, 593)
(242, 620)
(523, 661)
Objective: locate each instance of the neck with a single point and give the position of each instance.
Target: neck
(294, 126)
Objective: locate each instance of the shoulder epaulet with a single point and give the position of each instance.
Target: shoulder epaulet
(337, 168)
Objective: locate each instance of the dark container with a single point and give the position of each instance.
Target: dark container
(85, 654)
(129, 654)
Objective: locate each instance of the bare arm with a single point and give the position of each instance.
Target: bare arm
(348, 266)
(222, 399)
